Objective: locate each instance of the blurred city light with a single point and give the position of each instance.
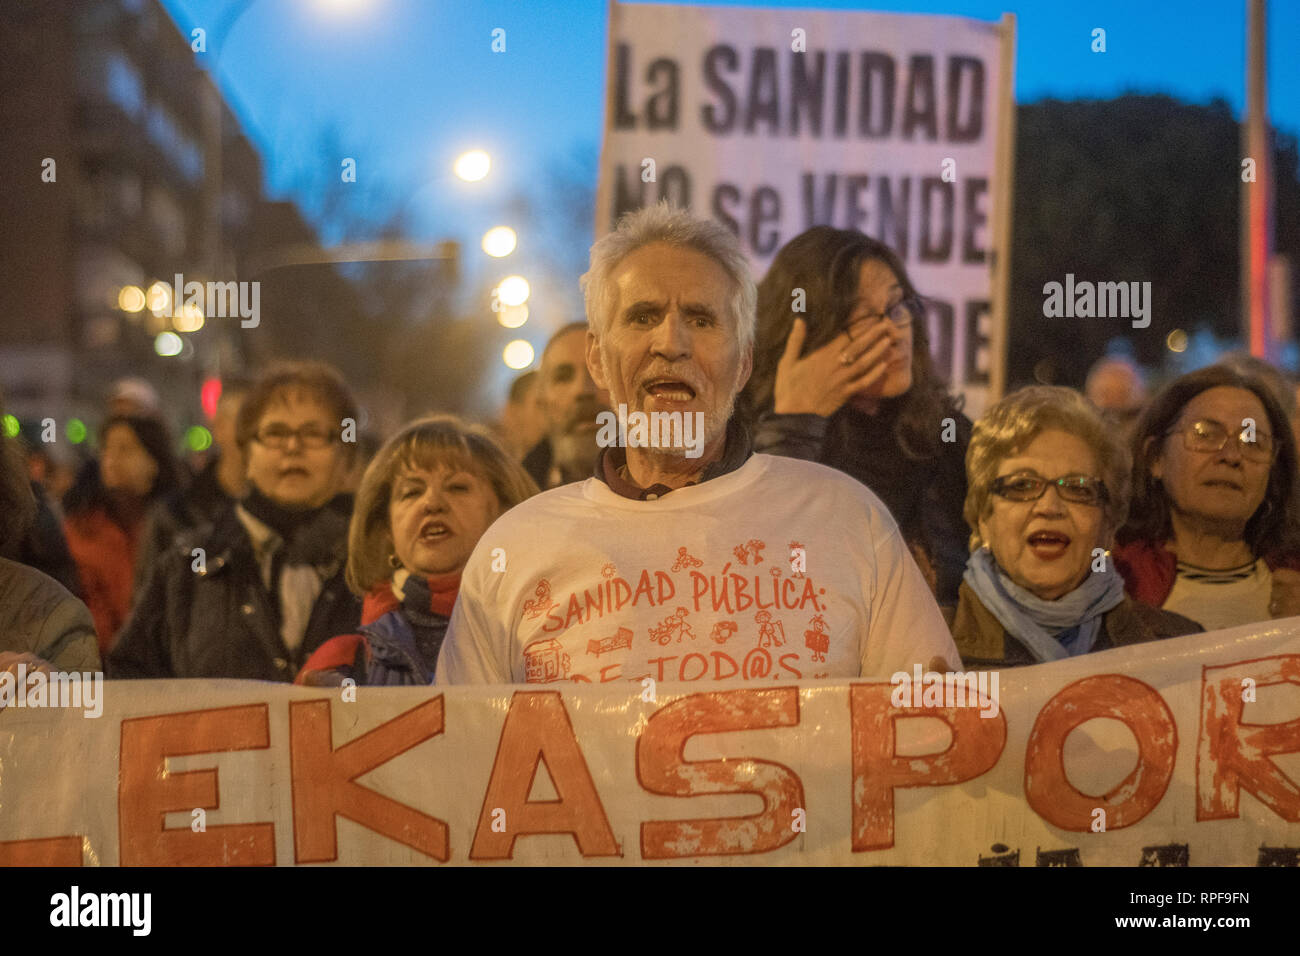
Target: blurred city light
(189, 318)
(345, 7)
(11, 426)
(168, 344)
(209, 395)
(513, 316)
(518, 354)
(198, 438)
(159, 299)
(1176, 341)
(473, 165)
(513, 290)
(499, 241)
(131, 298)
(75, 430)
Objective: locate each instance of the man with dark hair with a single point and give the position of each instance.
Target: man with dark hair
(258, 593)
(571, 401)
(523, 422)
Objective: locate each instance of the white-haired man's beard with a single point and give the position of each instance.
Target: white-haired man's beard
(681, 443)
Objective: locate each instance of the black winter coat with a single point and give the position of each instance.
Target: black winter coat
(220, 622)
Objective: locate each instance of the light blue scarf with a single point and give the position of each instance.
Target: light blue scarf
(1052, 630)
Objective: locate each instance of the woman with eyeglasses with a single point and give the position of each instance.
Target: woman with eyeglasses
(254, 595)
(1212, 532)
(1048, 485)
(843, 376)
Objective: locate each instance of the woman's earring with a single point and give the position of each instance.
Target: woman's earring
(394, 562)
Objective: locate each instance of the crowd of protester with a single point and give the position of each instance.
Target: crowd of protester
(1059, 523)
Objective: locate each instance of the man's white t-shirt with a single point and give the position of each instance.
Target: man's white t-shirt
(780, 570)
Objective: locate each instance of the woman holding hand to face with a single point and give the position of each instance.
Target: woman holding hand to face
(1213, 531)
(1048, 487)
(843, 376)
(424, 502)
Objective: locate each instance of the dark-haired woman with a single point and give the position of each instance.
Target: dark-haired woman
(106, 510)
(843, 376)
(1212, 528)
(42, 626)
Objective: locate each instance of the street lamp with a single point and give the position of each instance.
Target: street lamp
(499, 241)
(473, 166)
(518, 354)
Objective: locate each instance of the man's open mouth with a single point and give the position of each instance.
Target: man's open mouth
(670, 389)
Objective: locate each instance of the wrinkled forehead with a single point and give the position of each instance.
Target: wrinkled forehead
(661, 273)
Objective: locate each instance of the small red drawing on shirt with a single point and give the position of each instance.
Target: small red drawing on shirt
(621, 638)
(723, 630)
(798, 560)
(545, 661)
(673, 624)
(543, 603)
(608, 571)
(751, 548)
(769, 631)
(817, 640)
(685, 560)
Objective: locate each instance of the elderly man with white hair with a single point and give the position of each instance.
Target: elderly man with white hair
(687, 557)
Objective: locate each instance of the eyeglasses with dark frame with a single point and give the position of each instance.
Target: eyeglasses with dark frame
(309, 436)
(901, 313)
(1079, 489)
(1208, 435)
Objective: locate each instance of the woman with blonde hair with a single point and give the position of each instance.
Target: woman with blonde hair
(1048, 488)
(424, 501)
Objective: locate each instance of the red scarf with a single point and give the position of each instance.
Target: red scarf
(380, 599)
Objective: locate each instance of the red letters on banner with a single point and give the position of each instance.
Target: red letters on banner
(1142, 710)
(147, 791)
(324, 781)
(661, 768)
(1232, 753)
(537, 729)
(977, 743)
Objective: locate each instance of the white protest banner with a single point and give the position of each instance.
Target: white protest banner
(1180, 752)
(773, 121)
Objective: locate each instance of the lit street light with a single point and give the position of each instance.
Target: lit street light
(130, 298)
(518, 354)
(499, 241)
(168, 344)
(513, 316)
(473, 165)
(513, 290)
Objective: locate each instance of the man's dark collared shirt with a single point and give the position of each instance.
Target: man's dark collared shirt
(610, 465)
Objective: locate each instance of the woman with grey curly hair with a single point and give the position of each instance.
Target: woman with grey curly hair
(1047, 489)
